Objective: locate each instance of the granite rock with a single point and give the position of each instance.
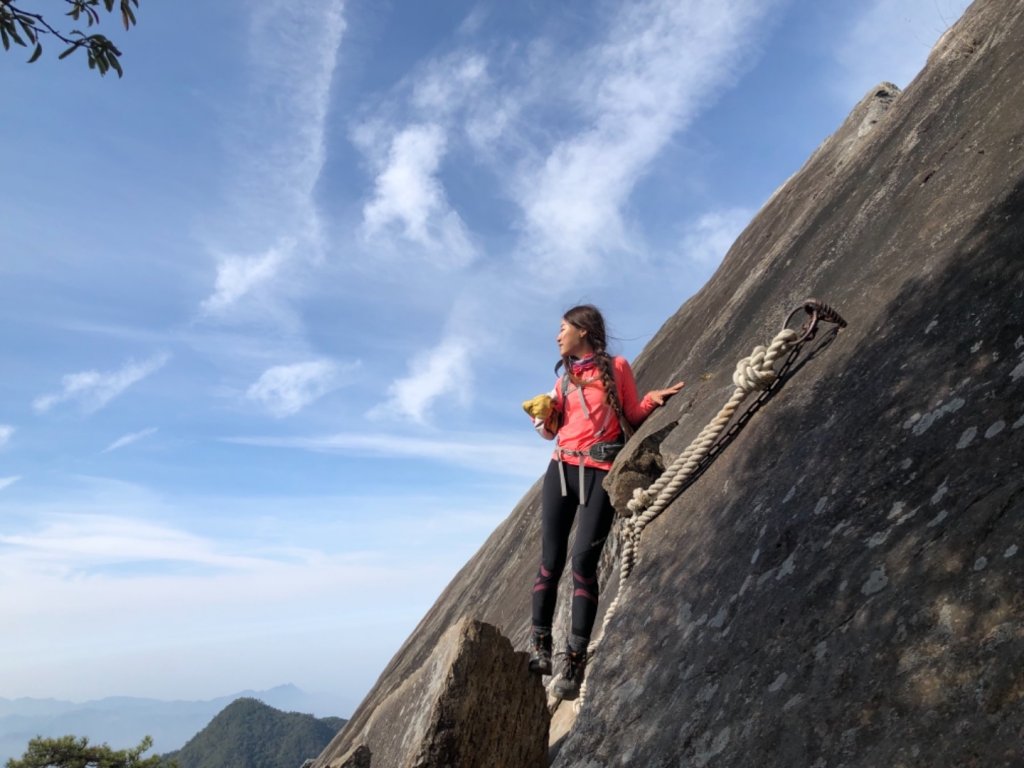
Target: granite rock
(844, 587)
(473, 704)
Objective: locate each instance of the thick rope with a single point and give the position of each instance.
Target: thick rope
(756, 372)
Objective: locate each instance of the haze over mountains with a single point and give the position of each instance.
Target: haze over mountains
(122, 721)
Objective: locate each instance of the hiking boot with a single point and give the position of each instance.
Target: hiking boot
(540, 652)
(568, 686)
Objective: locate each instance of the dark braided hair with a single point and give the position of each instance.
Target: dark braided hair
(587, 317)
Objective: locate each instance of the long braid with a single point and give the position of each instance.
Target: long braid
(611, 392)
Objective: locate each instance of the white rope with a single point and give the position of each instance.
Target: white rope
(756, 372)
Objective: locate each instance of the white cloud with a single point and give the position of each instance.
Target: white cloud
(449, 83)
(890, 41)
(409, 196)
(294, 49)
(490, 453)
(6, 482)
(237, 276)
(707, 240)
(6, 430)
(660, 65)
(287, 389)
(167, 592)
(132, 437)
(277, 144)
(79, 542)
(93, 389)
(443, 370)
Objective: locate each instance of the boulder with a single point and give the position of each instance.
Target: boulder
(473, 703)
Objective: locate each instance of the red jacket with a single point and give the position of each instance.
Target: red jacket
(581, 429)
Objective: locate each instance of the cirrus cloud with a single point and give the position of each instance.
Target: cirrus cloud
(94, 389)
(443, 370)
(287, 389)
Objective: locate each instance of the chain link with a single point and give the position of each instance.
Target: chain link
(817, 311)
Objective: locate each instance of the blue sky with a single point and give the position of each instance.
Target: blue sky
(271, 302)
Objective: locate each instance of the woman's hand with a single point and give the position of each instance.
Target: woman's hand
(659, 396)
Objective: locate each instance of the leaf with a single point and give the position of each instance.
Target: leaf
(71, 49)
(116, 66)
(36, 53)
(127, 16)
(13, 32)
(28, 27)
(3, 37)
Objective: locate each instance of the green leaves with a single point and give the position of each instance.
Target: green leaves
(24, 28)
(10, 20)
(69, 752)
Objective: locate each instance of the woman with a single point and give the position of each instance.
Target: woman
(593, 409)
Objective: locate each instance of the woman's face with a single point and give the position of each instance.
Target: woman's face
(572, 342)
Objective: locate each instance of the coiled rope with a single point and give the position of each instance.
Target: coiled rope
(756, 372)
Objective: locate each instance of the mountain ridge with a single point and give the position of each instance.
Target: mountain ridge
(250, 734)
(123, 720)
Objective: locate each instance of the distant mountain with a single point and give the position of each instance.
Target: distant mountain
(122, 721)
(250, 734)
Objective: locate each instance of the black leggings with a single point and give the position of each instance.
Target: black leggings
(557, 515)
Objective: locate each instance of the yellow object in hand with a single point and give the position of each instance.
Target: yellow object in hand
(538, 407)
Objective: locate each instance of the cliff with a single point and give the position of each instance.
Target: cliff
(844, 586)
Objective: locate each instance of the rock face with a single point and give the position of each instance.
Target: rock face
(473, 704)
(845, 586)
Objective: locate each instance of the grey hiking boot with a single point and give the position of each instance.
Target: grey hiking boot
(568, 686)
(540, 652)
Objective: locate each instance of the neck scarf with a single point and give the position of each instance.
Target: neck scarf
(581, 364)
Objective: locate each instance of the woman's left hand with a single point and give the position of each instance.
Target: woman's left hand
(659, 396)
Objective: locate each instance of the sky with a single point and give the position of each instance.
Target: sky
(271, 302)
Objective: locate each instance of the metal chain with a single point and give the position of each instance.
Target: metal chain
(817, 311)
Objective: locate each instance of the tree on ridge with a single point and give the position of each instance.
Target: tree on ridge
(71, 752)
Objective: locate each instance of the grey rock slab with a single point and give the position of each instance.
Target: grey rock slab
(900, 635)
(473, 703)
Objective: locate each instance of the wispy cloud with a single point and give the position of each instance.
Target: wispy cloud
(287, 389)
(94, 389)
(111, 539)
(132, 437)
(708, 238)
(658, 67)
(409, 202)
(6, 482)
(443, 370)
(889, 40)
(238, 276)
(6, 430)
(278, 147)
(408, 197)
(134, 560)
(447, 84)
(489, 453)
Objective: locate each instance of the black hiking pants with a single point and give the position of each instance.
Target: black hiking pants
(557, 515)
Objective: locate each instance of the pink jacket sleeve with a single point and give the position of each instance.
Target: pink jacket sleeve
(636, 410)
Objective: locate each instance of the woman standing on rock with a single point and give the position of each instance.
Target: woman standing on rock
(592, 409)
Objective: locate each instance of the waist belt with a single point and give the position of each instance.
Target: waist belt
(597, 452)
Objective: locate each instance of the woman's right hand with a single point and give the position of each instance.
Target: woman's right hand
(659, 396)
